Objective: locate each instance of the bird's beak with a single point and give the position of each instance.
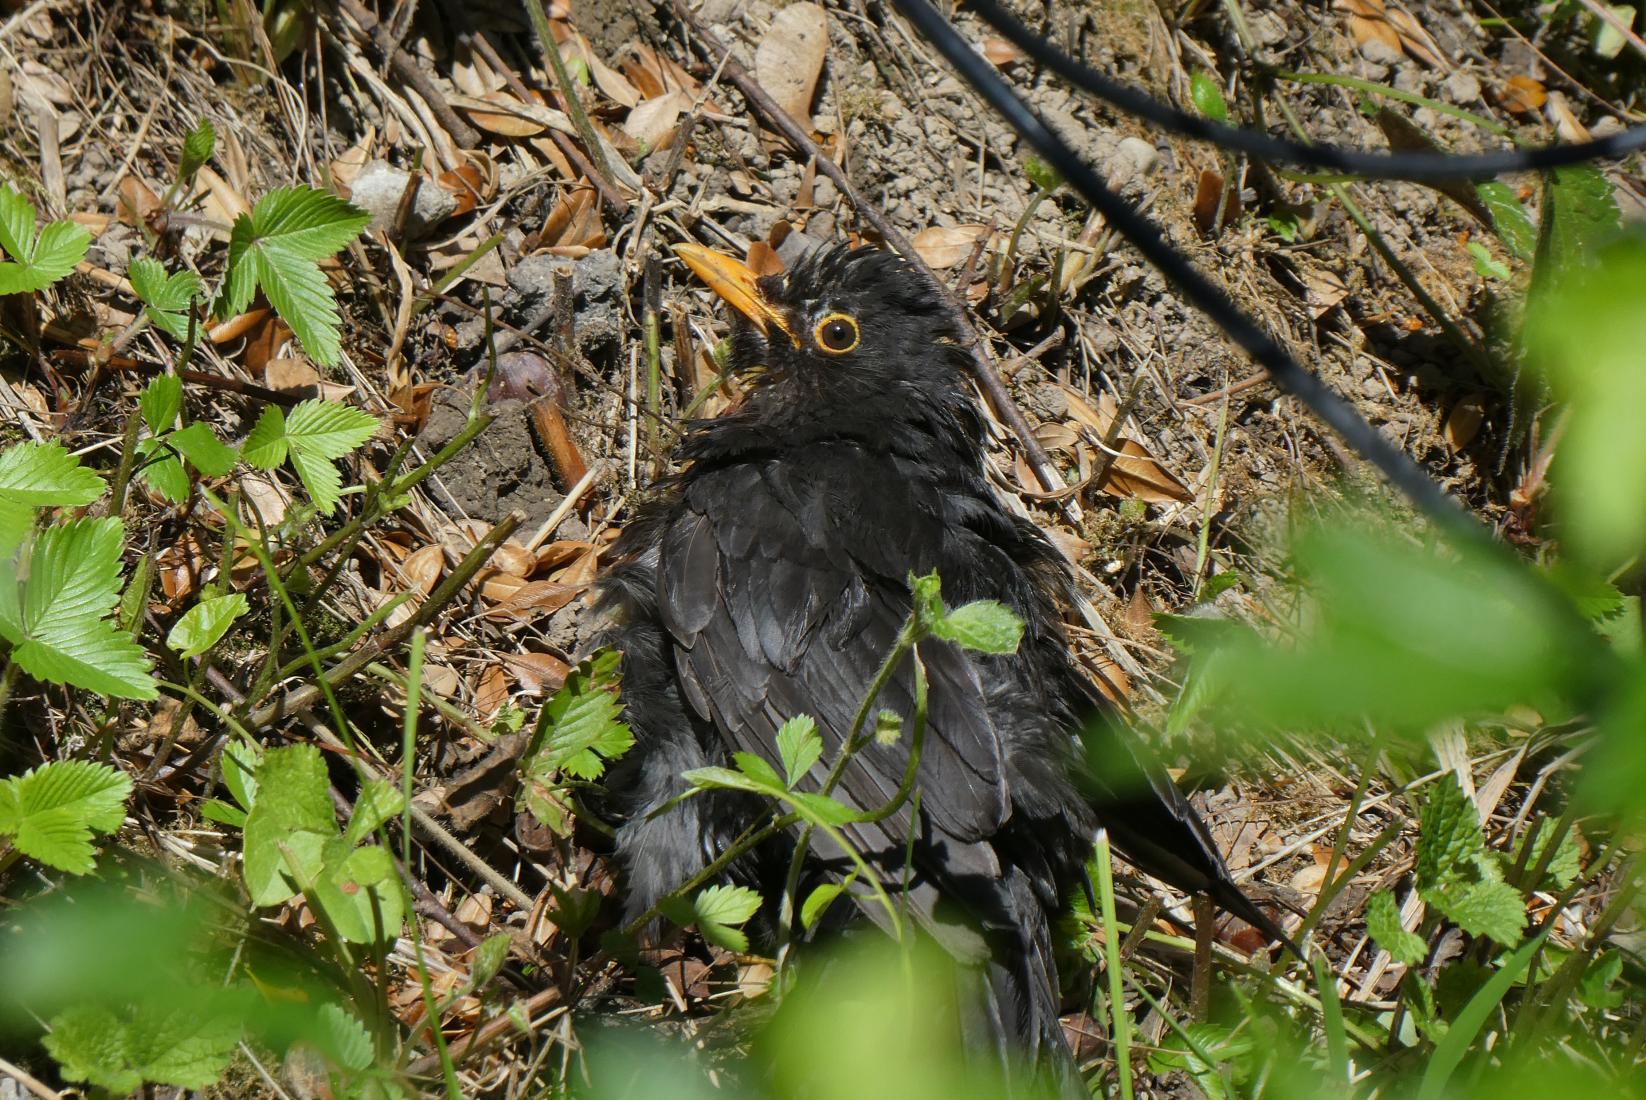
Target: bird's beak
(735, 282)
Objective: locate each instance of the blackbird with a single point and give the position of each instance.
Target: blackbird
(769, 579)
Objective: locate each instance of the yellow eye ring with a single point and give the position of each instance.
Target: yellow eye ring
(836, 334)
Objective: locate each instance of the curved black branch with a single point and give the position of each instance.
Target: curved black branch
(1401, 472)
(1403, 166)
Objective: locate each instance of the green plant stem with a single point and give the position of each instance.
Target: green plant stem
(568, 92)
(128, 460)
(1120, 1021)
(408, 749)
(8, 680)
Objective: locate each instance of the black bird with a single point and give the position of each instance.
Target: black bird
(769, 579)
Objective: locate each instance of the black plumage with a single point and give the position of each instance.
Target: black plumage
(769, 578)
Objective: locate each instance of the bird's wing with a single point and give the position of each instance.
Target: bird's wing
(774, 614)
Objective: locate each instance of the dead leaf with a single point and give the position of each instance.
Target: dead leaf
(946, 246)
(789, 59)
(655, 122)
(558, 553)
(1522, 95)
(1056, 437)
(347, 164)
(511, 557)
(1207, 192)
(763, 260)
(491, 692)
(290, 374)
(575, 219)
(1463, 422)
(1323, 290)
(612, 84)
(136, 202)
(223, 203)
(1001, 52)
(1140, 615)
(508, 116)
(534, 598)
(1134, 473)
(1395, 27)
(537, 672)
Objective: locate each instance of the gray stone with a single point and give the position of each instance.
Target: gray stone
(378, 188)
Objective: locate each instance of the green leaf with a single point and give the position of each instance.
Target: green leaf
(166, 297)
(1486, 266)
(983, 625)
(277, 247)
(205, 623)
(1449, 842)
(197, 149)
(120, 1051)
(1585, 330)
(1383, 925)
(312, 435)
(820, 809)
(1485, 908)
(489, 958)
(35, 262)
(714, 778)
(361, 892)
(1208, 97)
(205, 452)
(292, 813)
(239, 763)
(39, 475)
(265, 445)
(51, 812)
(717, 910)
(817, 903)
(758, 770)
(345, 1039)
(579, 728)
(1579, 213)
(1509, 218)
(798, 747)
(58, 621)
(161, 402)
(379, 801)
(161, 470)
(1041, 174)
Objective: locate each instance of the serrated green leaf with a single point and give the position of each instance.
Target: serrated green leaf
(166, 299)
(58, 621)
(40, 475)
(161, 470)
(344, 1039)
(320, 477)
(1449, 842)
(35, 263)
(757, 769)
(205, 623)
(798, 746)
(327, 429)
(820, 809)
(1485, 908)
(718, 909)
(277, 247)
(578, 729)
(205, 452)
(265, 446)
(715, 778)
(197, 149)
(983, 625)
(1383, 925)
(1207, 97)
(292, 814)
(51, 812)
(161, 401)
(120, 1051)
(379, 801)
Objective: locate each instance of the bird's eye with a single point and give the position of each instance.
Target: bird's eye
(836, 333)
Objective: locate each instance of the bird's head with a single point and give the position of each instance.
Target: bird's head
(845, 329)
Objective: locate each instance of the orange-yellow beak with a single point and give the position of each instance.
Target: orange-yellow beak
(735, 282)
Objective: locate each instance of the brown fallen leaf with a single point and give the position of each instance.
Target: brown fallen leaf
(537, 672)
(1463, 422)
(946, 246)
(1523, 95)
(655, 122)
(1323, 290)
(789, 59)
(491, 692)
(1135, 473)
(1001, 52)
(1207, 191)
(289, 374)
